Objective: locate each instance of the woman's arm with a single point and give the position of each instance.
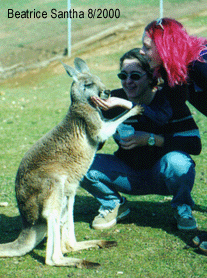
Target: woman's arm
(159, 111)
(189, 144)
(112, 102)
(140, 139)
(198, 97)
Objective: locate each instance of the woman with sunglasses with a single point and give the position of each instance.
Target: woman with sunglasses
(154, 159)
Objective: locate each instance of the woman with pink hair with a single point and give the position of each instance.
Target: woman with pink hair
(179, 59)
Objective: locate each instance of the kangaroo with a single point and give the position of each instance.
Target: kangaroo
(51, 170)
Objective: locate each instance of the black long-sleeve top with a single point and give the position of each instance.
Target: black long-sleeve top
(170, 119)
(198, 84)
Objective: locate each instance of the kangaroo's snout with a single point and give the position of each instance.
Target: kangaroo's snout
(105, 94)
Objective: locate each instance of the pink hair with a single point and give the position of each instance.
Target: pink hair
(176, 48)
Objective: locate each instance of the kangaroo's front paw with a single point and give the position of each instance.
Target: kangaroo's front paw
(138, 109)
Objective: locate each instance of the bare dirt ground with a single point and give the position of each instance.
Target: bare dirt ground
(23, 56)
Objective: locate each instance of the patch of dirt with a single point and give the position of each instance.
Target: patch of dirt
(93, 39)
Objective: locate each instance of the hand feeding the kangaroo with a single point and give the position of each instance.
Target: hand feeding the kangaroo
(51, 170)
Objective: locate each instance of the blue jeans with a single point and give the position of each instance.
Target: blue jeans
(173, 174)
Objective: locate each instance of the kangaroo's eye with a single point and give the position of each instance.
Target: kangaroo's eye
(89, 85)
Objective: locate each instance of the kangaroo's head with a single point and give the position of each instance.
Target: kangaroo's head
(85, 85)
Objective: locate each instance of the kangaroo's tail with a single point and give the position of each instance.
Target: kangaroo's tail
(26, 242)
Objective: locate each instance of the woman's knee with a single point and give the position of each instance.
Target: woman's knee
(92, 175)
(177, 163)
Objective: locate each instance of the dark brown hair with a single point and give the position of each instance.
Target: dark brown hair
(135, 54)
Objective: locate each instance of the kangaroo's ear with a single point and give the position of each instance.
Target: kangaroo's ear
(81, 65)
(71, 71)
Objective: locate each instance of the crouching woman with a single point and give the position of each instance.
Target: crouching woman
(154, 159)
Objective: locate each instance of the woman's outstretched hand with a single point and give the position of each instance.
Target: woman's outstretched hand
(111, 102)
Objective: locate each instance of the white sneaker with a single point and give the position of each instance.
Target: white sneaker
(108, 218)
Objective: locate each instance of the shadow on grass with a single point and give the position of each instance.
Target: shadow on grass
(143, 213)
(10, 228)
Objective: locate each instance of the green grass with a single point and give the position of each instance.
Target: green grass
(149, 245)
(200, 23)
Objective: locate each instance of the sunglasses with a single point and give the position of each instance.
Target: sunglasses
(134, 75)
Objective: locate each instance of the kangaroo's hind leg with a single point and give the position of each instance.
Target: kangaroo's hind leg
(53, 212)
(68, 240)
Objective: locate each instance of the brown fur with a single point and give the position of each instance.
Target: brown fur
(51, 170)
